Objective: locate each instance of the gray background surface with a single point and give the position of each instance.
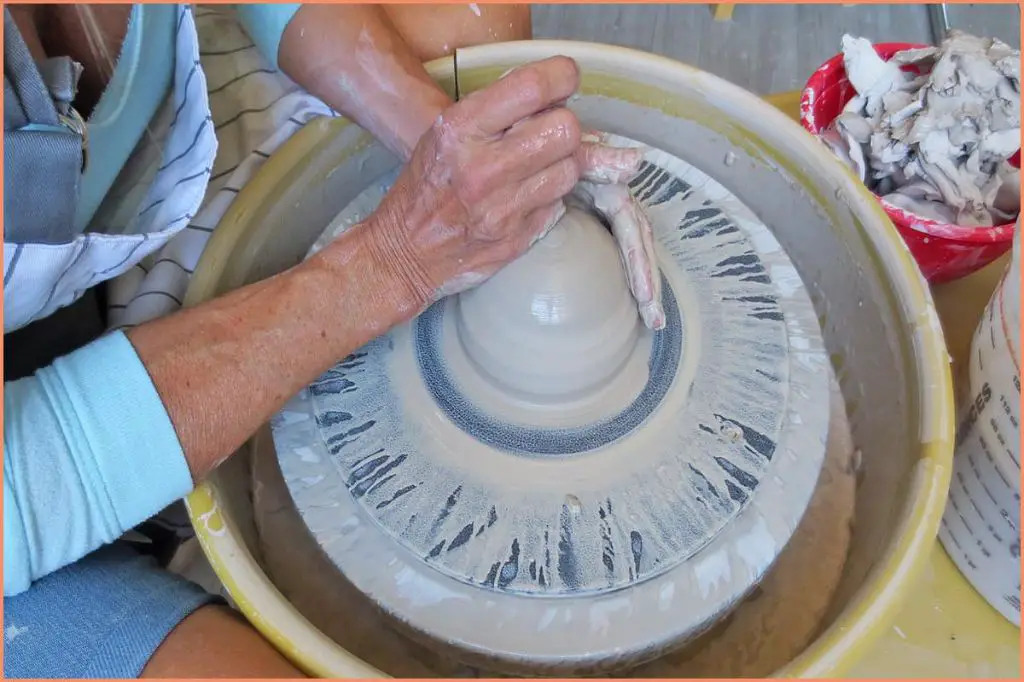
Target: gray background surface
(763, 48)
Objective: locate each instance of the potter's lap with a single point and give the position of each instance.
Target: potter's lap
(72, 623)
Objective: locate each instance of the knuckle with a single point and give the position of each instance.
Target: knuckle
(570, 175)
(532, 84)
(448, 132)
(477, 214)
(490, 226)
(570, 125)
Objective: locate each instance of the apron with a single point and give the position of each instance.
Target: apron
(228, 110)
(41, 277)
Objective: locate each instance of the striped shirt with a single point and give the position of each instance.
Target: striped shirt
(74, 472)
(228, 110)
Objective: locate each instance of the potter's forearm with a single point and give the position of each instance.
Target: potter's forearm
(352, 58)
(225, 367)
(107, 436)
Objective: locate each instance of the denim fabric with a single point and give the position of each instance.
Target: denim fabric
(102, 617)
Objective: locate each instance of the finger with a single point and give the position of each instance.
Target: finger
(541, 189)
(549, 185)
(632, 230)
(607, 165)
(524, 91)
(532, 145)
(539, 223)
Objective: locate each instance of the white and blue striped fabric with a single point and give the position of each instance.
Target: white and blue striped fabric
(227, 112)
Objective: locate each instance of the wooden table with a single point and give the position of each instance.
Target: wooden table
(946, 629)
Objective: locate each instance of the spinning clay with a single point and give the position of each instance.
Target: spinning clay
(527, 457)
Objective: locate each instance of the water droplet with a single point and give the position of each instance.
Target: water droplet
(573, 504)
(729, 159)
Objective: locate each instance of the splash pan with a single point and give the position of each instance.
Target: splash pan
(822, 286)
(526, 459)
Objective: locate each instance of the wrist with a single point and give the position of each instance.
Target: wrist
(375, 291)
(426, 105)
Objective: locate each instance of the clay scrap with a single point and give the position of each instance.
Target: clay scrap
(932, 130)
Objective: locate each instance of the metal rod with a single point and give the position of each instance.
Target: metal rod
(938, 17)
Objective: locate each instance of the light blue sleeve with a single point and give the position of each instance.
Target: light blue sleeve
(265, 23)
(89, 452)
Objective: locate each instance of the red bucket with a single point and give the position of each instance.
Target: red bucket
(943, 252)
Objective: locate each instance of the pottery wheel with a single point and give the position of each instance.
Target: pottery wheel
(526, 475)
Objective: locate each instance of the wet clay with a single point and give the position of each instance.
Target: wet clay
(932, 130)
(784, 613)
(557, 323)
(880, 328)
(767, 630)
(530, 455)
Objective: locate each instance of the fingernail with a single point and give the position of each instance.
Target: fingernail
(653, 316)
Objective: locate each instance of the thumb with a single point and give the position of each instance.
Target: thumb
(605, 164)
(635, 237)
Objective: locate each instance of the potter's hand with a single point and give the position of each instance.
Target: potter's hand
(604, 172)
(482, 184)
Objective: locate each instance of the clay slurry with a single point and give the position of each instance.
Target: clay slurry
(666, 501)
(526, 440)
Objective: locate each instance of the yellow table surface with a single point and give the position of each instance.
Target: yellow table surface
(945, 629)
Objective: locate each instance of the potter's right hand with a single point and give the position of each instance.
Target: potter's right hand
(484, 183)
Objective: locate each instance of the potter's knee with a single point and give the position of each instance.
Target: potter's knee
(217, 642)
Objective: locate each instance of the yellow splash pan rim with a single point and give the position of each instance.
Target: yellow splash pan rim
(872, 608)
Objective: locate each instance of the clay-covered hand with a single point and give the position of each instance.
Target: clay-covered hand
(605, 171)
(484, 183)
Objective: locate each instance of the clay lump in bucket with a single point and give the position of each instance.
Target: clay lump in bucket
(937, 142)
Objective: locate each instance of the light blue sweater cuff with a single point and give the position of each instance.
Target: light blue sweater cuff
(89, 452)
(265, 23)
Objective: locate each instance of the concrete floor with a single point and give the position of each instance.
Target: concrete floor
(764, 48)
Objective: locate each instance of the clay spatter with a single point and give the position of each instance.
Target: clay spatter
(642, 499)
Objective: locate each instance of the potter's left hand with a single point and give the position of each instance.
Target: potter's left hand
(604, 173)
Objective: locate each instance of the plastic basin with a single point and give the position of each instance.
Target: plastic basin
(944, 252)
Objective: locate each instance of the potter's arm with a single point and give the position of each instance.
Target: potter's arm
(225, 367)
(112, 433)
(352, 58)
(78, 473)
